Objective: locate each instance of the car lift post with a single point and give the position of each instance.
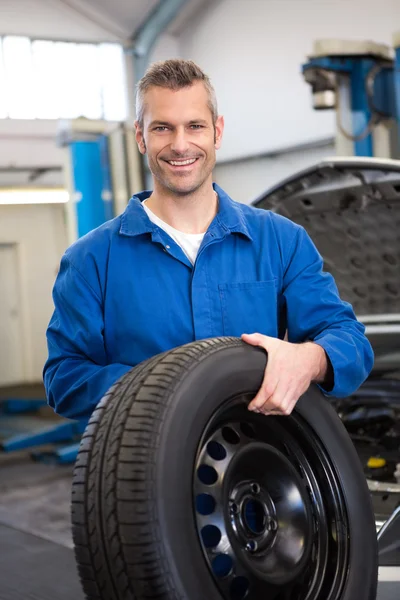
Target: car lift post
(87, 174)
(360, 82)
(396, 43)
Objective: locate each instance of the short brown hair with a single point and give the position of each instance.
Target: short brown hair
(173, 74)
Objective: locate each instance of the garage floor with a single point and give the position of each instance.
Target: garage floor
(36, 559)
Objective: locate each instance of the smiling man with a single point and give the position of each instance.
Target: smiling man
(186, 262)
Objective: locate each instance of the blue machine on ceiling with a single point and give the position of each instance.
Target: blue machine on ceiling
(361, 82)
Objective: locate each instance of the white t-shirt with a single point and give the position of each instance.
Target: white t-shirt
(189, 242)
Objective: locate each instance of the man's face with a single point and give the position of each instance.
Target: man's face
(179, 137)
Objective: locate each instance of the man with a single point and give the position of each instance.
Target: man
(185, 262)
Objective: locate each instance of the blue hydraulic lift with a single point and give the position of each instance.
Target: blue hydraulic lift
(20, 431)
(361, 81)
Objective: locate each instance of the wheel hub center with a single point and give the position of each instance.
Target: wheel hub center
(252, 515)
(269, 512)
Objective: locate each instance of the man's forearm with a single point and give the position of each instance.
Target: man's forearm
(74, 387)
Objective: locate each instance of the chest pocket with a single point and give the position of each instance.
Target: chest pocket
(249, 308)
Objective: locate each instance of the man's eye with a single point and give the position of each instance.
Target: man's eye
(195, 126)
(160, 128)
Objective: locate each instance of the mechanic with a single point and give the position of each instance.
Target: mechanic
(185, 262)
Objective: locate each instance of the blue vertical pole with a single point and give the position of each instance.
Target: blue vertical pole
(396, 73)
(361, 114)
(91, 175)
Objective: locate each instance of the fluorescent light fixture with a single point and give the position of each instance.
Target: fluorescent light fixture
(26, 196)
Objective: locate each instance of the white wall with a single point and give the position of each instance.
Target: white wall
(253, 52)
(39, 231)
(25, 143)
(167, 46)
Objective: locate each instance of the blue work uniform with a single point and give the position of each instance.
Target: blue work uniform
(126, 291)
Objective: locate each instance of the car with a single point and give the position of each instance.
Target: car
(351, 209)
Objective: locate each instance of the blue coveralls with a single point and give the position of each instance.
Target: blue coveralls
(126, 291)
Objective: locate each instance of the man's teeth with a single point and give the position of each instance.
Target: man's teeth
(181, 163)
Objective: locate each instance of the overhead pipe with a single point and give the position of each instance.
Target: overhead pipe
(149, 32)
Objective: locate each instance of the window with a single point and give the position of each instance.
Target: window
(3, 87)
(51, 80)
(17, 61)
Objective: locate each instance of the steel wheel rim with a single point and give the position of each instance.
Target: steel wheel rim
(268, 508)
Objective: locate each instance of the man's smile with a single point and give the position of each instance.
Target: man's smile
(182, 164)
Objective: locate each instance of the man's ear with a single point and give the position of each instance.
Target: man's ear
(219, 130)
(140, 138)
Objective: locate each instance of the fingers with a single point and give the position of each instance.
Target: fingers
(279, 402)
(269, 413)
(276, 407)
(265, 393)
(255, 339)
(285, 379)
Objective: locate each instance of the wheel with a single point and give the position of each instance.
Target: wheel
(181, 492)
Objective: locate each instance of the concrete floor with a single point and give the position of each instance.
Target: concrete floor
(35, 501)
(35, 498)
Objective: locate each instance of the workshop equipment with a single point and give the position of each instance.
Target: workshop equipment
(361, 82)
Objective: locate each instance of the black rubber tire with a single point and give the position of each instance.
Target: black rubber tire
(132, 514)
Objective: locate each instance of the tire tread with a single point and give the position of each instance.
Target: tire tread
(122, 436)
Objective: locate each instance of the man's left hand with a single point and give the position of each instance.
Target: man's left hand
(291, 368)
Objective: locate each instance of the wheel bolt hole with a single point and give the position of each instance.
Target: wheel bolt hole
(272, 524)
(255, 488)
(251, 546)
(234, 508)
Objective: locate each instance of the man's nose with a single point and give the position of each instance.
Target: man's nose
(180, 143)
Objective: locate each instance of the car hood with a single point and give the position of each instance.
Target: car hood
(351, 209)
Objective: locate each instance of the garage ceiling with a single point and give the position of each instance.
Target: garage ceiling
(84, 20)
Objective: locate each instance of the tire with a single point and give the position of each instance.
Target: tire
(290, 507)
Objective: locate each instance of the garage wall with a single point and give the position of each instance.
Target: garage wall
(25, 142)
(167, 46)
(40, 237)
(253, 51)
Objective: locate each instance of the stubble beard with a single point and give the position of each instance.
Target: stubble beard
(169, 184)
